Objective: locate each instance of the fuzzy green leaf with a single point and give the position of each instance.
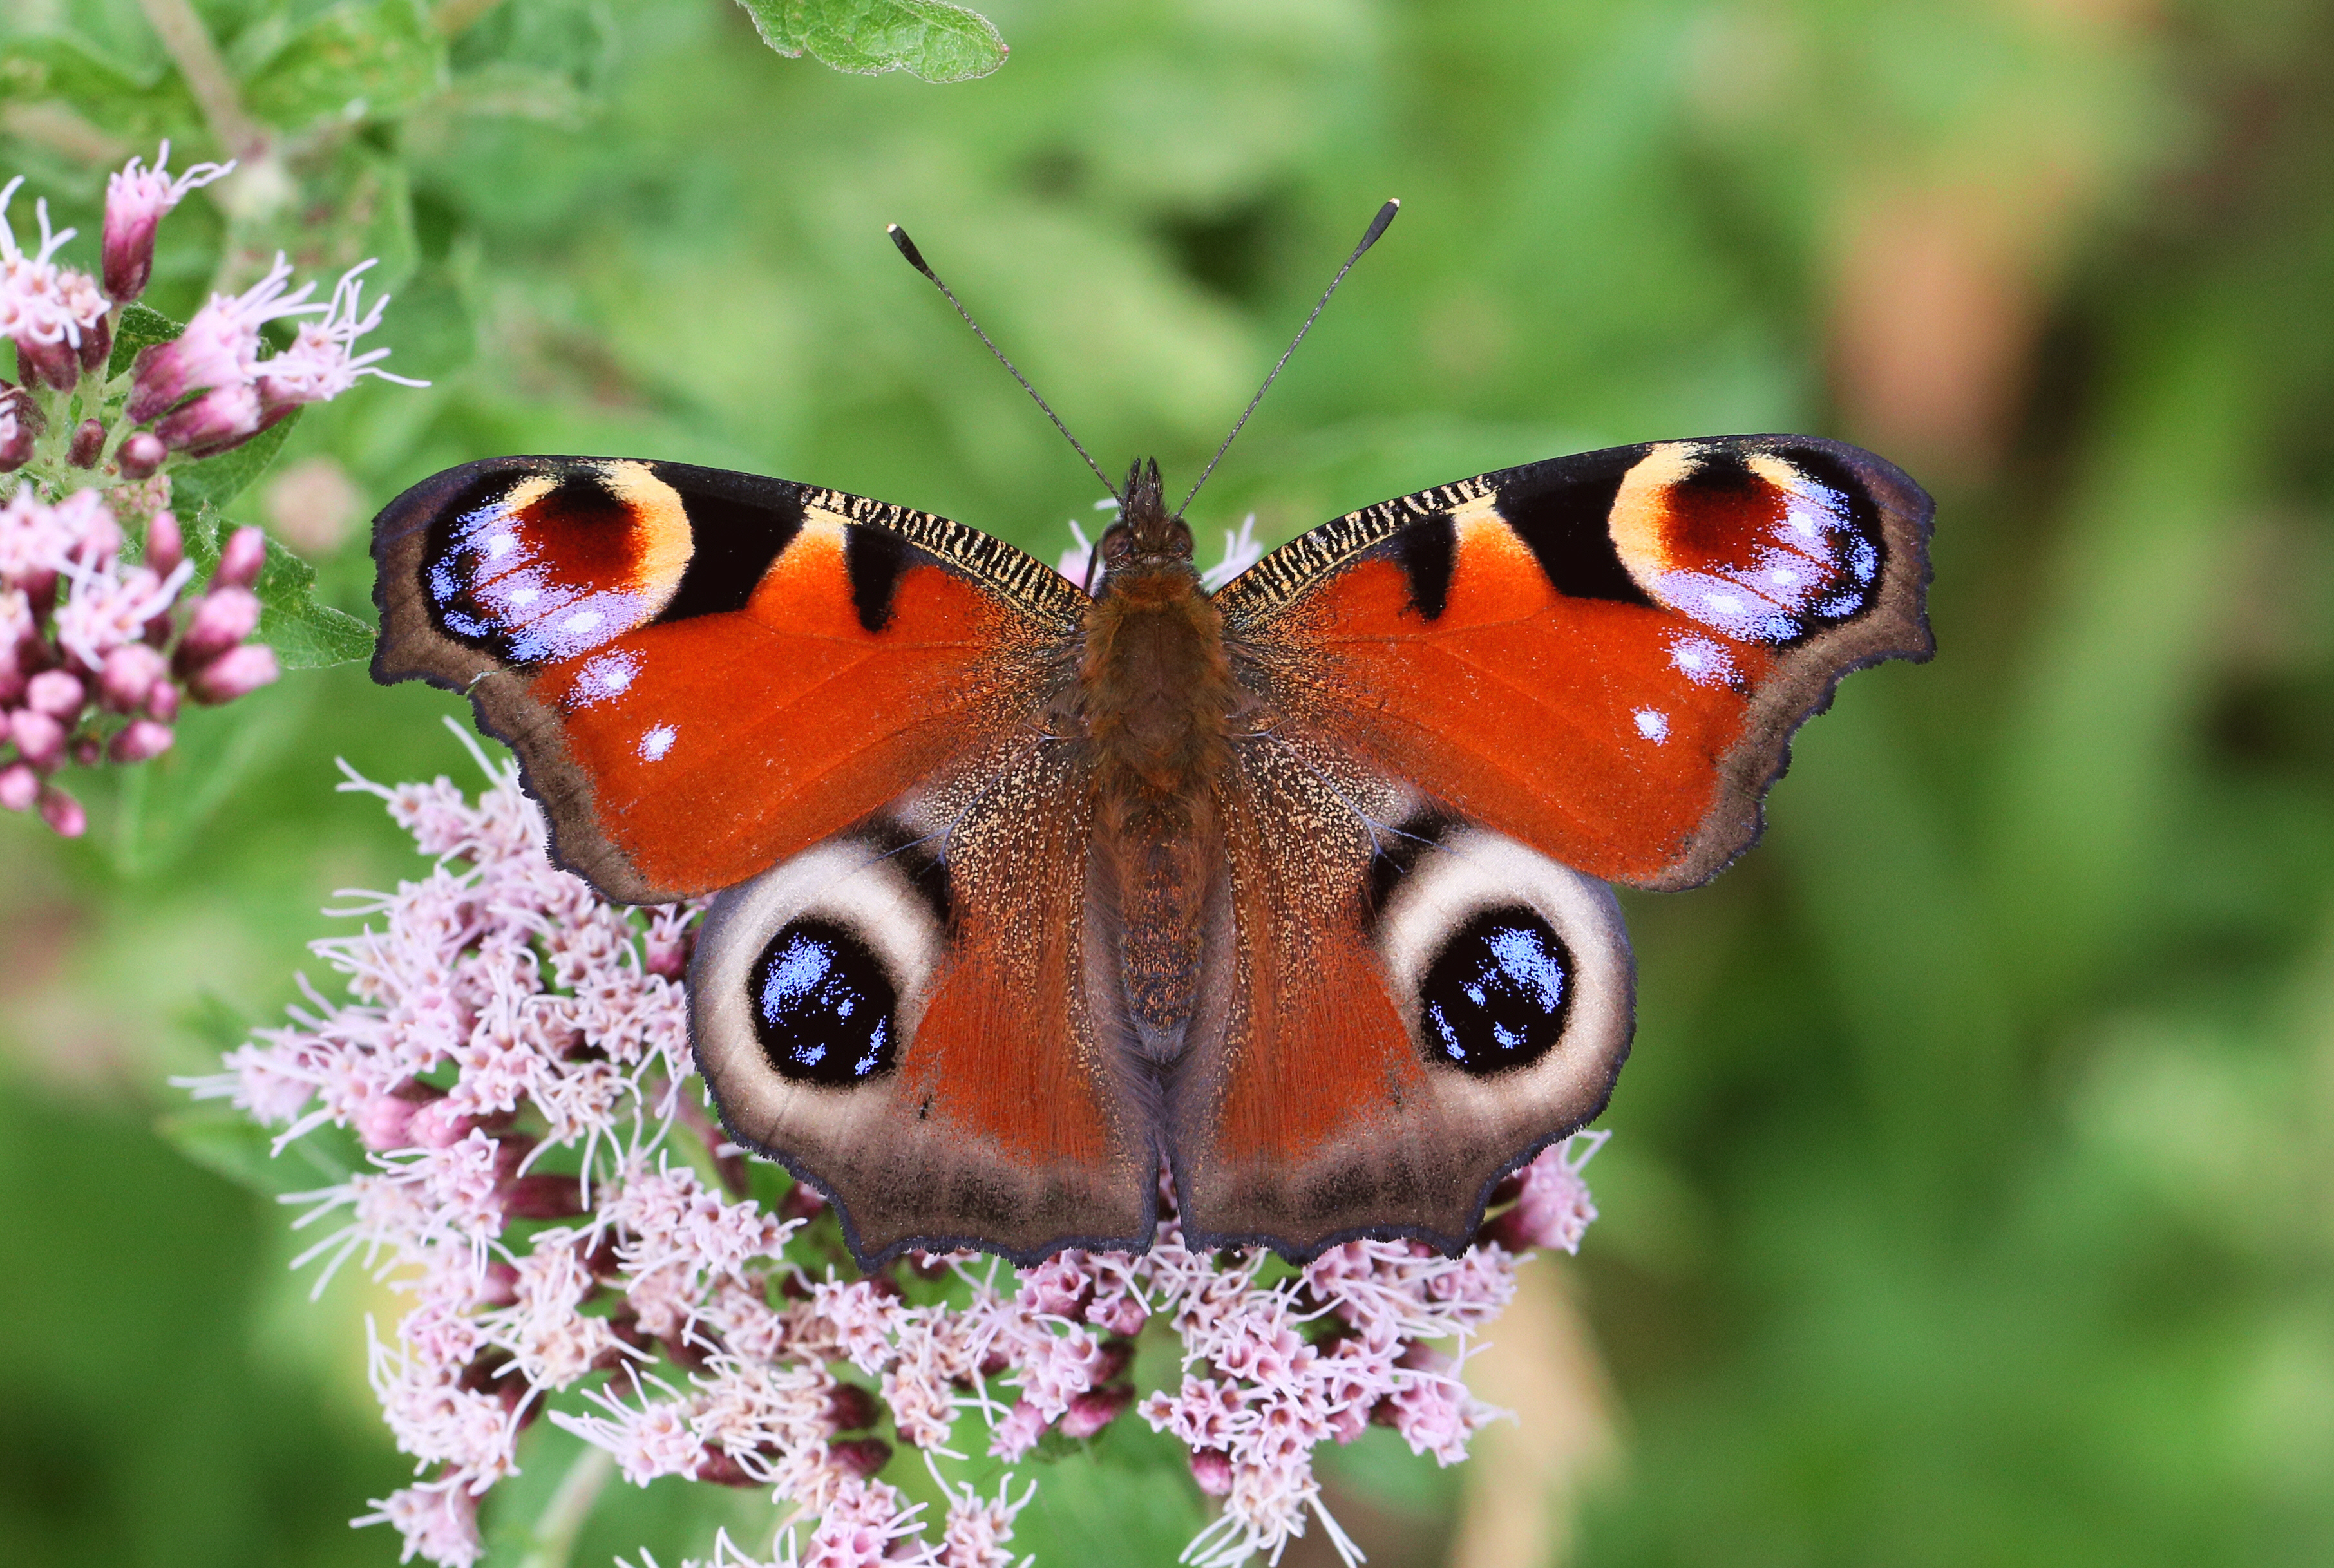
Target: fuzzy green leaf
(139, 327)
(930, 39)
(227, 1142)
(305, 634)
(356, 60)
(216, 481)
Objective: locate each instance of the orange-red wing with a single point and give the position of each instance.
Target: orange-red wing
(704, 672)
(1603, 656)
(1397, 1009)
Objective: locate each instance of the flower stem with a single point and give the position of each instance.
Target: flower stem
(207, 78)
(553, 1540)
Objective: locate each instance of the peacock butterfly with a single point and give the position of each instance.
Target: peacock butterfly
(1024, 886)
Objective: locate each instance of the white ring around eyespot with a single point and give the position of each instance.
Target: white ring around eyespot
(1472, 870)
(848, 882)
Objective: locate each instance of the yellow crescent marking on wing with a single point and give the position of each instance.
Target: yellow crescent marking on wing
(663, 539)
(1640, 512)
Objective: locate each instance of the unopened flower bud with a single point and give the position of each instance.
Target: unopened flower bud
(863, 1456)
(88, 443)
(245, 553)
(40, 738)
(141, 453)
(438, 1125)
(21, 423)
(55, 364)
(97, 345)
(543, 1197)
(165, 547)
(383, 1121)
(721, 1468)
(222, 618)
(136, 197)
(851, 1408)
(222, 418)
(20, 786)
(129, 676)
(63, 813)
(802, 1201)
(237, 672)
(59, 693)
(89, 751)
(1095, 1408)
(1212, 1469)
(162, 703)
(142, 739)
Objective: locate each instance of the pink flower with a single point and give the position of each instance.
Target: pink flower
(495, 994)
(438, 1521)
(219, 348)
(320, 365)
(45, 308)
(136, 200)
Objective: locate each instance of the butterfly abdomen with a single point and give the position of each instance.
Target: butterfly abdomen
(1156, 692)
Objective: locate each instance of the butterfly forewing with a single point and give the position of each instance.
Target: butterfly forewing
(1603, 656)
(704, 672)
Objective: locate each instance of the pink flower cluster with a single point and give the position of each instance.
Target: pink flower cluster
(205, 391)
(56, 316)
(576, 1240)
(209, 389)
(95, 655)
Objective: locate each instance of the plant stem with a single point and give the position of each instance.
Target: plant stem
(207, 78)
(553, 1540)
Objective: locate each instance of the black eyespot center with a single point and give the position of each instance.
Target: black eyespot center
(1499, 994)
(824, 1007)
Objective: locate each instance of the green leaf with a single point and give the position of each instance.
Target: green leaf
(221, 1138)
(305, 633)
(139, 327)
(925, 38)
(356, 60)
(216, 481)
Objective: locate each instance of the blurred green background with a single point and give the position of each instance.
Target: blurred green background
(1968, 1201)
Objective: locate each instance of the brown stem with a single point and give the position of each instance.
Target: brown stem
(197, 58)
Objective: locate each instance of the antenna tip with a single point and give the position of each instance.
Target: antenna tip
(1378, 226)
(908, 248)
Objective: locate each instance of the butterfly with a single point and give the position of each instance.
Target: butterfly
(1022, 886)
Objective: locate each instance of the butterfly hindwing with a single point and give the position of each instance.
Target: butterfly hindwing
(1603, 656)
(705, 672)
(915, 1018)
(1400, 1008)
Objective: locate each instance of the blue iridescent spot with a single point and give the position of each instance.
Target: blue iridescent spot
(823, 1004)
(1497, 993)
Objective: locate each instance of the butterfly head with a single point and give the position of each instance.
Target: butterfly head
(1146, 537)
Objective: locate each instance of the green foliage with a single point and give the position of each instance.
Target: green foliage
(141, 327)
(214, 482)
(925, 38)
(305, 633)
(359, 57)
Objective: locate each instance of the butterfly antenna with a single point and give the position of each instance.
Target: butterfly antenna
(916, 260)
(1378, 226)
